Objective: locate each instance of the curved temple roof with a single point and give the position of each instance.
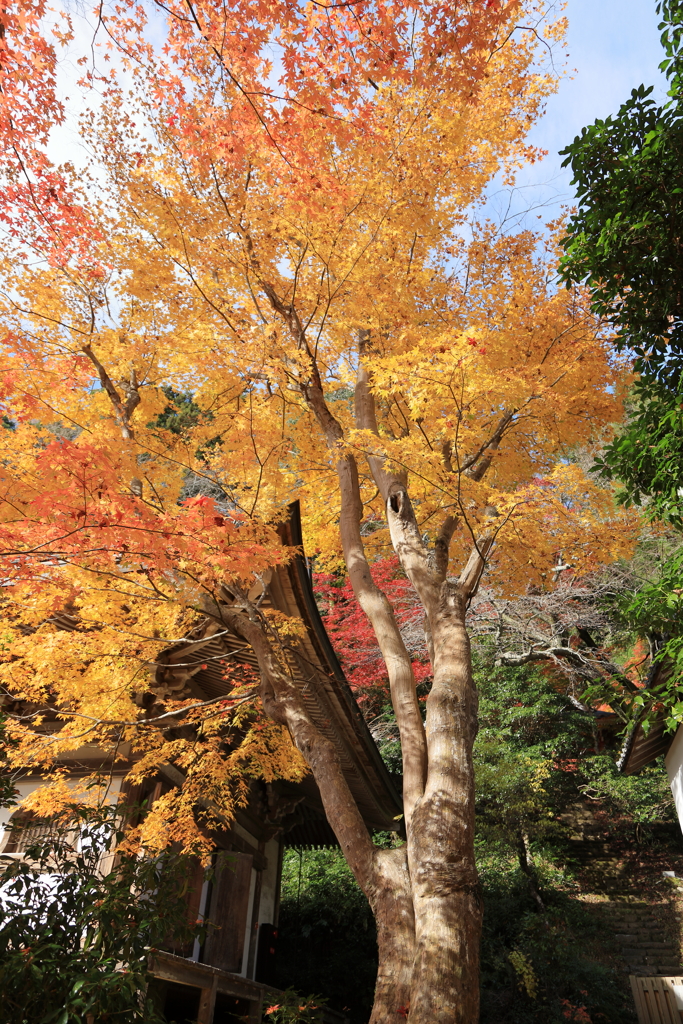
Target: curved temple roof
(326, 693)
(642, 747)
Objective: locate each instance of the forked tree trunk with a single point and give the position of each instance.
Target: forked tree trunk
(425, 896)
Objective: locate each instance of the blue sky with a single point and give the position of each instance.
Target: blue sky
(614, 47)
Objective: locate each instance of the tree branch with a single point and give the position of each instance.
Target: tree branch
(123, 410)
(442, 544)
(476, 469)
(284, 704)
(378, 609)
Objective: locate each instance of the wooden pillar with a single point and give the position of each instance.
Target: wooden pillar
(256, 1010)
(207, 1003)
(253, 930)
(278, 881)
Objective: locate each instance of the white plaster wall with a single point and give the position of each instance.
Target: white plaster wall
(674, 769)
(29, 786)
(269, 884)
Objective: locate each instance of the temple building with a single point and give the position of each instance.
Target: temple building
(230, 973)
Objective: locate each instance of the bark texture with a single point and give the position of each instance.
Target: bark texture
(383, 875)
(441, 842)
(392, 904)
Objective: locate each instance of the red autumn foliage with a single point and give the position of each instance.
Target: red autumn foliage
(353, 638)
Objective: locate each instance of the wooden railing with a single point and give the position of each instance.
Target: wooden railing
(211, 980)
(658, 1000)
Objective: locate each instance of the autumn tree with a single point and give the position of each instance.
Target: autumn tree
(281, 230)
(99, 583)
(37, 204)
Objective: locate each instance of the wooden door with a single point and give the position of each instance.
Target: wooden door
(195, 874)
(228, 910)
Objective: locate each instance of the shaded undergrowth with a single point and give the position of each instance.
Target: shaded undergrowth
(550, 967)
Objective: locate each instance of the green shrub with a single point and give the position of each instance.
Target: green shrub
(327, 940)
(75, 935)
(543, 967)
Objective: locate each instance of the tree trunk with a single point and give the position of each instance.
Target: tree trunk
(423, 895)
(391, 901)
(435, 894)
(446, 898)
(527, 867)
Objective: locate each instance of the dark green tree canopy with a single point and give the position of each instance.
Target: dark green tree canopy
(647, 456)
(625, 240)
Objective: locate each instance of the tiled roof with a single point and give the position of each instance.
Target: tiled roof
(642, 747)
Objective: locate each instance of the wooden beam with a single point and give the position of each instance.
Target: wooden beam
(207, 1003)
(170, 967)
(232, 841)
(184, 972)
